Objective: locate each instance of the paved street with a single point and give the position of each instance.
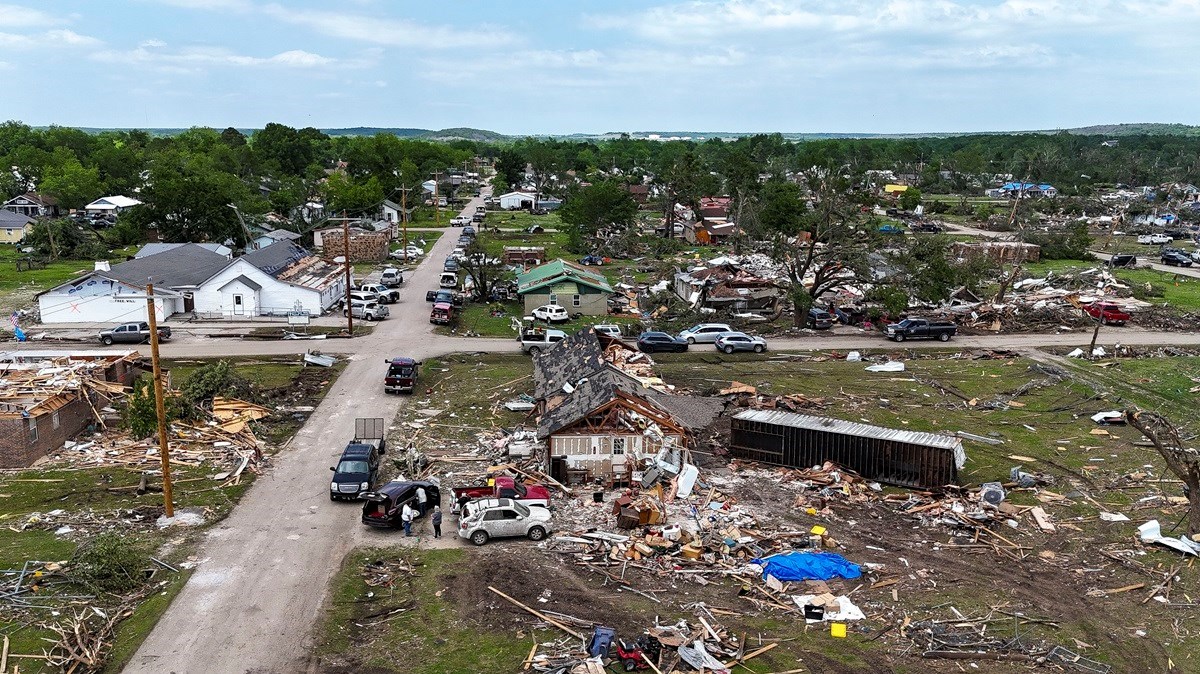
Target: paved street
(254, 599)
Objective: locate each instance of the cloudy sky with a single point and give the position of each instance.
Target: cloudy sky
(563, 66)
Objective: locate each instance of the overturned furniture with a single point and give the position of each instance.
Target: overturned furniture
(899, 457)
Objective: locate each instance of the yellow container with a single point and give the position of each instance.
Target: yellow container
(838, 630)
(818, 530)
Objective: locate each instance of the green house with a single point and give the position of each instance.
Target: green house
(579, 290)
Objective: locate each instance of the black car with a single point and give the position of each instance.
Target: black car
(468, 231)
(1122, 260)
(356, 471)
(384, 506)
(1176, 258)
(650, 342)
(819, 319)
(926, 227)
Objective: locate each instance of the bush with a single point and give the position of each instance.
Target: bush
(1148, 291)
(109, 563)
(216, 379)
(1071, 243)
(141, 417)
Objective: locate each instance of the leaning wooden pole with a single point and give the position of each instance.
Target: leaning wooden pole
(164, 451)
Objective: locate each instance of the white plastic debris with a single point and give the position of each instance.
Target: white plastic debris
(1151, 532)
(890, 366)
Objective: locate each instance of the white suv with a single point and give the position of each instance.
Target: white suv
(705, 333)
(551, 313)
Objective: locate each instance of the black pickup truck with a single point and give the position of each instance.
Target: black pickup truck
(920, 328)
(444, 295)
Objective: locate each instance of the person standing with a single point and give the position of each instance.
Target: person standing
(437, 521)
(422, 497)
(406, 517)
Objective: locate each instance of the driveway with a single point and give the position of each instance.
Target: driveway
(257, 593)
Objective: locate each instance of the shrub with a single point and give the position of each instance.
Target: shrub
(109, 562)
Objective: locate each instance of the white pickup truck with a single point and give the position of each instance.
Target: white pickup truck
(537, 340)
(386, 295)
(460, 221)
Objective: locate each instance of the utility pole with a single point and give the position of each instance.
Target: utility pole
(164, 451)
(404, 216)
(437, 211)
(346, 259)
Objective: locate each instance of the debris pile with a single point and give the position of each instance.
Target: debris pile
(223, 440)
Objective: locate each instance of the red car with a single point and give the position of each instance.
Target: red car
(503, 486)
(1109, 314)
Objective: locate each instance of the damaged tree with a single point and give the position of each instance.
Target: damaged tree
(1184, 462)
(485, 272)
(820, 247)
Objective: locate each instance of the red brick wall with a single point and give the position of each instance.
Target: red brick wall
(18, 450)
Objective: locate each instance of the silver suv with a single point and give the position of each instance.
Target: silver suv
(705, 333)
(503, 521)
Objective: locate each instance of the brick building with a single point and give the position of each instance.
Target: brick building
(47, 398)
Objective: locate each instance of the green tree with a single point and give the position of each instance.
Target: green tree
(1070, 243)
(343, 193)
(910, 199)
(190, 200)
(69, 181)
(590, 209)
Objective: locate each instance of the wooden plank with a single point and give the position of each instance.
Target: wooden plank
(1042, 519)
(539, 614)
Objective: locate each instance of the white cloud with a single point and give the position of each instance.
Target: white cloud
(152, 43)
(193, 58)
(697, 20)
(235, 5)
(50, 38)
(385, 31)
(16, 16)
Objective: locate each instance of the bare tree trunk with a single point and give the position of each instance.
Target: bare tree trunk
(1185, 463)
(1095, 334)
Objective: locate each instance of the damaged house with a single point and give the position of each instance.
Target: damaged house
(729, 287)
(604, 413)
(47, 398)
(1003, 252)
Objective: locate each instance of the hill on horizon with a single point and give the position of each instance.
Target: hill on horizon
(486, 136)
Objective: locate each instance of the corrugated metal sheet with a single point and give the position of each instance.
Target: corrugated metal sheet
(905, 458)
(849, 428)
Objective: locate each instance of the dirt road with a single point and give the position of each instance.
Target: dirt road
(254, 598)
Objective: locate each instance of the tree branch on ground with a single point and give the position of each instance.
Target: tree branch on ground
(1183, 462)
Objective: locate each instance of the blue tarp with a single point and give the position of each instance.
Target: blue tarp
(808, 566)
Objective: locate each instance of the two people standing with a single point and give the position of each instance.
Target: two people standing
(408, 513)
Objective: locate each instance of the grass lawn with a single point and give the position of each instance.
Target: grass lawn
(1181, 292)
(106, 493)
(424, 216)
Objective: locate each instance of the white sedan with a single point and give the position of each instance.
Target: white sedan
(410, 253)
(551, 313)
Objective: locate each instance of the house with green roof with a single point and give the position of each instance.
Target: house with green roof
(579, 290)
